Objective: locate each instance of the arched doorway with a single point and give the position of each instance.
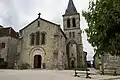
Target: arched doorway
(37, 61)
(71, 50)
(37, 56)
(72, 64)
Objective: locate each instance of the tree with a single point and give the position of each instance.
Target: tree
(103, 17)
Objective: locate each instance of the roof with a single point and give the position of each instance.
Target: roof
(9, 31)
(71, 8)
(63, 33)
(36, 20)
(1, 26)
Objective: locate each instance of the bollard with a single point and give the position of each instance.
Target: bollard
(87, 74)
(76, 74)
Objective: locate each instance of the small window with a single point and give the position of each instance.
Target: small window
(68, 23)
(74, 22)
(32, 39)
(72, 54)
(38, 24)
(70, 34)
(1, 59)
(2, 45)
(73, 34)
(37, 38)
(43, 38)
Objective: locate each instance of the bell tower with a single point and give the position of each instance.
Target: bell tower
(74, 47)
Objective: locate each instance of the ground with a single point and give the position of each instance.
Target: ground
(51, 75)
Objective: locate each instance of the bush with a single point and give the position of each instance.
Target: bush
(24, 66)
(3, 65)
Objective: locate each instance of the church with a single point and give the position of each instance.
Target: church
(43, 44)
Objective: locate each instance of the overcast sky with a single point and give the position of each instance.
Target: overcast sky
(19, 13)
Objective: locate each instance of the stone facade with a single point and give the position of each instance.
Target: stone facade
(54, 45)
(8, 52)
(43, 44)
(71, 24)
(74, 41)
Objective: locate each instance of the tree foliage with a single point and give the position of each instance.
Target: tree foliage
(103, 17)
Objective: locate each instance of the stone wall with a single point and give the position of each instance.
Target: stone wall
(4, 51)
(10, 50)
(111, 63)
(60, 50)
(97, 61)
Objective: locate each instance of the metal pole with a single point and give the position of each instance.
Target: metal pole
(87, 74)
(102, 64)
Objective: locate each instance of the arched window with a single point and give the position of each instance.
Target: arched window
(43, 38)
(38, 23)
(70, 34)
(74, 22)
(73, 34)
(37, 38)
(2, 45)
(68, 23)
(32, 38)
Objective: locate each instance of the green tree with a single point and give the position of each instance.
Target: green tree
(103, 18)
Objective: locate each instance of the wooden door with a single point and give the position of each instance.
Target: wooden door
(37, 61)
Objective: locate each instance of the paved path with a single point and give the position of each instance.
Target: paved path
(51, 75)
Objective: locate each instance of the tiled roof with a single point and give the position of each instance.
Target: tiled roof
(8, 32)
(1, 26)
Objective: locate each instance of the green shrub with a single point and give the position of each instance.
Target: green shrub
(3, 65)
(24, 66)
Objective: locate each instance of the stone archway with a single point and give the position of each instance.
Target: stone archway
(37, 58)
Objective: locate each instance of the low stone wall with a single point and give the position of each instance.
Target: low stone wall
(112, 71)
(111, 63)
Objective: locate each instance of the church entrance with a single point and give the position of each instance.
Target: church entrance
(72, 64)
(37, 61)
(72, 54)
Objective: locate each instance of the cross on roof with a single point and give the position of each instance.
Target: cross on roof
(39, 15)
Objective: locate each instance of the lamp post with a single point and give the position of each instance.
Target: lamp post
(102, 66)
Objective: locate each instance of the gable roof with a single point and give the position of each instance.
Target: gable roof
(40, 19)
(45, 21)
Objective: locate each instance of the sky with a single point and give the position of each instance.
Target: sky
(18, 13)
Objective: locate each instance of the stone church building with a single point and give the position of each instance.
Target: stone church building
(43, 44)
